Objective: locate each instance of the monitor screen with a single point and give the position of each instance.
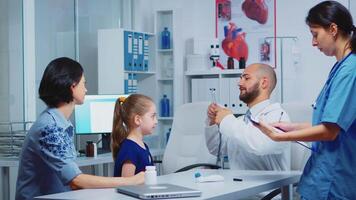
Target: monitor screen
(95, 115)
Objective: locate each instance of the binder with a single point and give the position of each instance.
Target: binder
(145, 52)
(134, 83)
(140, 52)
(135, 51)
(130, 83)
(128, 59)
(126, 83)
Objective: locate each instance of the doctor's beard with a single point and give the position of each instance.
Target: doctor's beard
(250, 95)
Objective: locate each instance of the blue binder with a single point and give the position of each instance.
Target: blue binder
(126, 83)
(135, 51)
(128, 59)
(140, 52)
(146, 52)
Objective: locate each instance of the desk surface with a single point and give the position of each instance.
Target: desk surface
(254, 182)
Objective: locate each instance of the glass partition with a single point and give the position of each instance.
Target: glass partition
(54, 36)
(11, 61)
(93, 15)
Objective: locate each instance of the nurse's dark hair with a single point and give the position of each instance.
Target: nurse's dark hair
(328, 12)
(58, 77)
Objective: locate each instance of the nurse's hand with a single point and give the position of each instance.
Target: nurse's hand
(221, 114)
(212, 113)
(269, 130)
(289, 126)
(284, 126)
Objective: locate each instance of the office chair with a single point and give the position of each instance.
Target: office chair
(186, 148)
(297, 112)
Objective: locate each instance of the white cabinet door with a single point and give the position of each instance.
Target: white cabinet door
(225, 93)
(236, 105)
(201, 89)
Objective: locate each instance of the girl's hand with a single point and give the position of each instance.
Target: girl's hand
(137, 179)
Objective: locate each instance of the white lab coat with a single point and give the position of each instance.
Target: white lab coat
(245, 145)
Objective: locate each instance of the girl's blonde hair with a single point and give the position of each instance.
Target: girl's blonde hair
(125, 110)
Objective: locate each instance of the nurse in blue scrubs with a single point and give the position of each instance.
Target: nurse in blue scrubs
(330, 170)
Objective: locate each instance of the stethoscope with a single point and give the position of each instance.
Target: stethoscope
(334, 69)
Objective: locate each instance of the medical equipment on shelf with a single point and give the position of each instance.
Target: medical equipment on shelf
(215, 54)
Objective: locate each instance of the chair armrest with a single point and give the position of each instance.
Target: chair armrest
(275, 192)
(157, 161)
(208, 165)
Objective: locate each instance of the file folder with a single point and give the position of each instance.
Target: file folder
(140, 52)
(128, 59)
(145, 52)
(135, 51)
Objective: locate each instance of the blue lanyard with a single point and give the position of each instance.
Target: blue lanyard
(332, 73)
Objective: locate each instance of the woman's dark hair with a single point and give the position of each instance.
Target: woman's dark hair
(328, 12)
(58, 77)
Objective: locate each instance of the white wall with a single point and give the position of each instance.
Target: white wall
(199, 21)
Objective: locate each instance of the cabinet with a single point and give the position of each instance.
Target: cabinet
(225, 84)
(162, 75)
(126, 64)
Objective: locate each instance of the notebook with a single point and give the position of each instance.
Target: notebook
(160, 191)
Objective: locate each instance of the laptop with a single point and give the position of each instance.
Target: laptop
(160, 191)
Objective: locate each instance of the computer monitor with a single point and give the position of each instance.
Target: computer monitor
(95, 115)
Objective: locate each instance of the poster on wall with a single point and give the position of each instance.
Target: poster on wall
(245, 30)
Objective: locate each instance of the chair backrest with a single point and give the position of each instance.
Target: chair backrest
(186, 143)
(298, 112)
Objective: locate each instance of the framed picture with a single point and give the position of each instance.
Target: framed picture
(246, 30)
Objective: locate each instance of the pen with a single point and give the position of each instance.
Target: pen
(280, 117)
(237, 179)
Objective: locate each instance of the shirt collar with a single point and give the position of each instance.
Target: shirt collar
(59, 118)
(259, 107)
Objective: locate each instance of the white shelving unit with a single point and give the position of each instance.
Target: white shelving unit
(169, 68)
(165, 71)
(164, 75)
(111, 72)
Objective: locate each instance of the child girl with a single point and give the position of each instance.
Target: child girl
(134, 117)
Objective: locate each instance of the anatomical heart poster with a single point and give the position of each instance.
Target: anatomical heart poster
(245, 29)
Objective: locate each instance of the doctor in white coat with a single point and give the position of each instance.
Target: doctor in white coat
(242, 142)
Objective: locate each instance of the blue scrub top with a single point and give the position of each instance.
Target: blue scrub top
(47, 159)
(330, 170)
(131, 151)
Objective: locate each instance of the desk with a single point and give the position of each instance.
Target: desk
(254, 182)
(9, 168)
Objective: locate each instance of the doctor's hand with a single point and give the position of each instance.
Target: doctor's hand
(212, 113)
(221, 113)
